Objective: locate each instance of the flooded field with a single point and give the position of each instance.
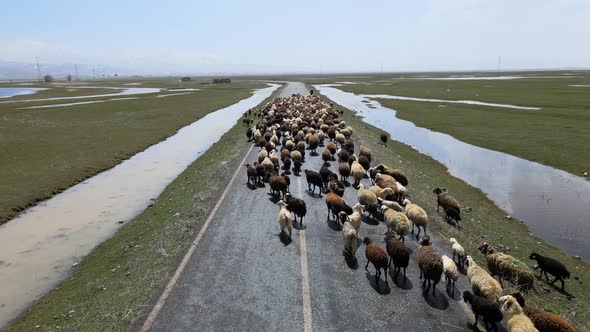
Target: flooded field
(39, 247)
(553, 203)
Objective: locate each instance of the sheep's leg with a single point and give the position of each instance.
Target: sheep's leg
(420, 273)
(404, 274)
(367, 266)
(433, 287)
(437, 207)
(476, 314)
(385, 274)
(417, 235)
(424, 230)
(562, 283)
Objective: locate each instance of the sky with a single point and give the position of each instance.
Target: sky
(204, 37)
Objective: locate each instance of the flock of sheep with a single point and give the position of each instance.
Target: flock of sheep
(288, 128)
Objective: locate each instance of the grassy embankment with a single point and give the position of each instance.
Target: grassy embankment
(555, 135)
(116, 284)
(485, 222)
(45, 151)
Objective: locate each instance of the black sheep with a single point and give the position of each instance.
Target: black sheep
(482, 306)
(249, 134)
(297, 206)
(452, 213)
(315, 179)
(327, 175)
(337, 187)
(297, 167)
(551, 266)
(251, 174)
(383, 138)
(260, 171)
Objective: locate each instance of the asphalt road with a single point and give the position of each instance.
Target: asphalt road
(243, 277)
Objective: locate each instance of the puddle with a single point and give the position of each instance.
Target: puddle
(475, 78)
(469, 102)
(173, 94)
(38, 248)
(553, 203)
(77, 103)
(11, 92)
(124, 92)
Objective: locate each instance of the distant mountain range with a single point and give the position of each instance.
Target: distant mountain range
(22, 70)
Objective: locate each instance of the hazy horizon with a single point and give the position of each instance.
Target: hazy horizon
(263, 37)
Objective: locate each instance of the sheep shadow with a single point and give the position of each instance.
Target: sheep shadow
(334, 224)
(372, 221)
(313, 194)
(327, 164)
(457, 294)
(260, 185)
(439, 301)
(273, 199)
(399, 282)
(313, 154)
(251, 186)
(298, 226)
(285, 239)
(351, 261)
(379, 285)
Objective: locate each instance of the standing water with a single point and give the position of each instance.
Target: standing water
(38, 248)
(553, 203)
(11, 92)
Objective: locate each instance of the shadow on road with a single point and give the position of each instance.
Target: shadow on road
(369, 221)
(351, 262)
(380, 286)
(399, 281)
(439, 301)
(285, 240)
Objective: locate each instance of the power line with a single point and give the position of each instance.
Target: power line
(38, 69)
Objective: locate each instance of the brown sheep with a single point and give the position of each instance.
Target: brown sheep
(344, 170)
(378, 257)
(278, 185)
(430, 264)
(544, 321)
(399, 253)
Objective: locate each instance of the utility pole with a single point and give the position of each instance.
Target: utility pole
(499, 60)
(94, 73)
(38, 70)
(76, 70)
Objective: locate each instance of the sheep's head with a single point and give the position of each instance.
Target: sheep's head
(358, 207)
(467, 296)
(281, 204)
(510, 305)
(452, 240)
(425, 240)
(384, 208)
(367, 241)
(437, 190)
(390, 234)
(406, 202)
(484, 248)
(534, 256)
(469, 260)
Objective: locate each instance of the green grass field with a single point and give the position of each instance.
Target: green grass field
(45, 151)
(556, 135)
(116, 283)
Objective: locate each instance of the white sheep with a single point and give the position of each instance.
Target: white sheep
(417, 216)
(450, 271)
(391, 204)
(350, 239)
(458, 251)
(396, 221)
(355, 218)
(517, 320)
(482, 283)
(284, 217)
(262, 154)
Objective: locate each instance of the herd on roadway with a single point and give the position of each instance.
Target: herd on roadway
(241, 279)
